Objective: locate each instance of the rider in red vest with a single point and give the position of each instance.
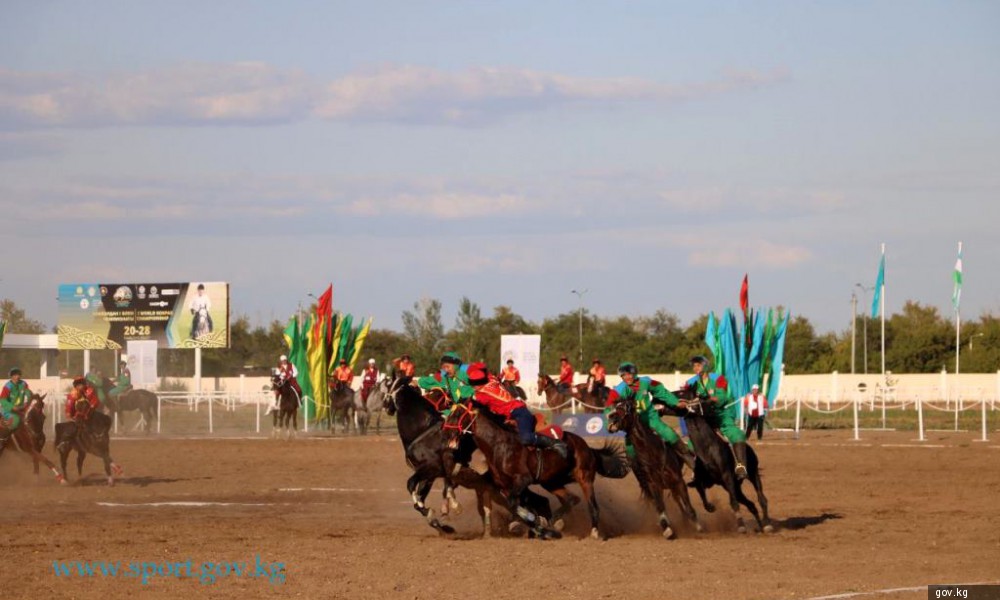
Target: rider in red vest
(369, 378)
(491, 394)
(81, 401)
(565, 383)
(287, 372)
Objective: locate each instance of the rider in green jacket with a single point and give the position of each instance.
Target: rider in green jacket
(721, 410)
(452, 378)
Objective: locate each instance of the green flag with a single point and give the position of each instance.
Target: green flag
(956, 294)
(3, 330)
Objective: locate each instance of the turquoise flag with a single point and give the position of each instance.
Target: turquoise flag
(879, 284)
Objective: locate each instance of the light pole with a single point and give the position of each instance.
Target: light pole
(864, 320)
(974, 335)
(854, 328)
(580, 296)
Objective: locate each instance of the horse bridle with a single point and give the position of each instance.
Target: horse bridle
(466, 413)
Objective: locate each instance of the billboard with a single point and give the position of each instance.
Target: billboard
(105, 316)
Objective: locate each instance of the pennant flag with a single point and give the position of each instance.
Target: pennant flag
(317, 368)
(324, 308)
(774, 380)
(956, 294)
(745, 295)
(359, 341)
(879, 284)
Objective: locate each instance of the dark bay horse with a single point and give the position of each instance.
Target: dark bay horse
(30, 437)
(287, 415)
(558, 401)
(716, 464)
(91, 436)
(419, 421)
(656, 466)
(515, 466)
(342, 407)
(143, 401)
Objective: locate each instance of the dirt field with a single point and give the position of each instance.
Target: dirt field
(851, 517)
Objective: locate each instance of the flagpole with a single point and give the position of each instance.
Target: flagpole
(882, 310)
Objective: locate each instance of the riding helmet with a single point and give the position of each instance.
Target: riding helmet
(14, 371)
(700, 359)
(627, 367)
(451, 358)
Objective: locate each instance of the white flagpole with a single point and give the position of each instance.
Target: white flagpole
(958, 325)
(882, 308)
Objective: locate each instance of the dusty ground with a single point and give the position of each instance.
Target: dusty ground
(852, 517)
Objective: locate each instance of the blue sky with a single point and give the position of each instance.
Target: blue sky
(650, 152)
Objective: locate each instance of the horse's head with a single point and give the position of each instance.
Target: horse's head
(437, 398)
(277, 381)
(390, 401)
(543, 382)
(460, 421)
(692, 400)
(622, 416)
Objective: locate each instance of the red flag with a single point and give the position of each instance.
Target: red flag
(745, 295)
(325, 305)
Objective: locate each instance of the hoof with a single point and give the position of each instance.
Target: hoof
(111, 482)
(595, 534)
(549, 534)
(699, 527)
(768, 528)
(517, 528)
(709, 507)
(742, 529)
(668, 534)
(455, 506)
(62, 480)
(559, 525)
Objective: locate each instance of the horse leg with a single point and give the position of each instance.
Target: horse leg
(742, 499)
(567, 501)
(661, 508)
(762, 500)
(595, 511)
(701, 476)
(683, 499)
(39, 457)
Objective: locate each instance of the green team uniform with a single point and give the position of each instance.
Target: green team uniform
(124, 382)
(642, 392)
(98, 386)
(722, 415)
(457, 388)
(14, 395)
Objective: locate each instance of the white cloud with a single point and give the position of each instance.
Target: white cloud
(439, 205)
(258, 94)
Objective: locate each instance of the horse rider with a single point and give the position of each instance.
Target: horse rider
(14, 400)
(721, 412)
(599, 377)
(489, 392)
(124, 382)
(200, 305)
(82, 401)
(343, 377)
(565, 382)
(404, 366)
(510, 377)
(645, 392)
(755, 407)
(452, 378)
(369, 379)
(286, 373)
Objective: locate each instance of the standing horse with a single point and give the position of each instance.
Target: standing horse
(342, 407)
(91, 436)
(143, 401)
(656, 466)
(30, 437)
(364, 410)
(716, 464)
(515, 466)
(287, 415)
(558, 401)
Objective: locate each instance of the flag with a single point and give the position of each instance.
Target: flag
(324, 308)
(316, 355)
(359, 342)
(956, 294)
(745, 295)
(3, 330)
(879, 284)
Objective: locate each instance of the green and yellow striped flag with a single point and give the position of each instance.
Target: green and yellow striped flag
(3, 330)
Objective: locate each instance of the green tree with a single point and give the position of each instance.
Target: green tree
(921, 341)
(424, 331)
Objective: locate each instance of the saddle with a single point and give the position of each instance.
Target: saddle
(541, 428)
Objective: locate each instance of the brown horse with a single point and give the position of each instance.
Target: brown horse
(656, 466)
(30, 438)
(515, 466)
(557, 401)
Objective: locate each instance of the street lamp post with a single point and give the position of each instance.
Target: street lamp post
(854, 329)
(864, 320)
(974, 335)
(580, 296)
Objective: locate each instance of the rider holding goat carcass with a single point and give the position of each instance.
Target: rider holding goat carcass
(645, 392)
(721, 411)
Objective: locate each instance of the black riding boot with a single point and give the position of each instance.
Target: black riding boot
(543, 442)
(685, 453)
(740, 450)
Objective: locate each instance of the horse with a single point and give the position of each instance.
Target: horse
(716, 464)
(656, 466)
(557, 400)
(287, 415)
(418, 421)
(365, 409)
(143, 401)
(201, 325)
(342, 402)
(515, 467)
(90, 436)
(30, 437)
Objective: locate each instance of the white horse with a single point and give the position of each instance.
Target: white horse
(363, 411)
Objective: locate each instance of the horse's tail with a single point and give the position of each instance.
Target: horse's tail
(612, 462)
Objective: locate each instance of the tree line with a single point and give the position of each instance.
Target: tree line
(918, 340)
